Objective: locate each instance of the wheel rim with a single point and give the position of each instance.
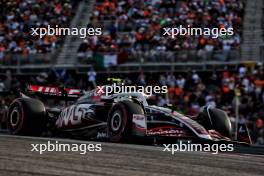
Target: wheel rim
(14, 118)
(116, 121)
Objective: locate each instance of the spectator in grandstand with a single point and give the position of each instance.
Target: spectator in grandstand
(2, 86)
(17, 19)
(162, 80)
(171, 80)
(180, 81)
(142, 79)
(259, 129)
(3, 112)
(92, 78)
(8, 80)
(142, 21)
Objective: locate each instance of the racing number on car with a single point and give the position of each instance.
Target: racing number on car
(72, 115)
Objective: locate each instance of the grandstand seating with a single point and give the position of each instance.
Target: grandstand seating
(132, 31)
(133, 28)
(16, 20)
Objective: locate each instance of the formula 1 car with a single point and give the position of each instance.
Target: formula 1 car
(115, 118)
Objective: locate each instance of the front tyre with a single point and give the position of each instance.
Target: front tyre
(119, 122)
(213, 118)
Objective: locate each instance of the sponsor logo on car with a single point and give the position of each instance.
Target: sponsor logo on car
(74, 114)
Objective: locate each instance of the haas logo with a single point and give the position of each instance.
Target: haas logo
(73, 115)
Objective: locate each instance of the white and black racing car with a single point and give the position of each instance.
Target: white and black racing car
(115, 118)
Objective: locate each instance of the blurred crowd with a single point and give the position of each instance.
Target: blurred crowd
(17, 17)
(134, 29)
(187, 92)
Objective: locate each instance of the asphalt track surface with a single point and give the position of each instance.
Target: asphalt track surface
(16, 159)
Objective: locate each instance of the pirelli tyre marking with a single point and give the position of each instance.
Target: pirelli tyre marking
(14, 117)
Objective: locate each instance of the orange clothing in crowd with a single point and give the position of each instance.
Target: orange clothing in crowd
(53, 38)
(110, 5)
(225, 89)
(202, 41)
(178, 91)
(186, 98)
(171, 90)
(146, 13)
(222, 26)
(222, 2)
(259, 83)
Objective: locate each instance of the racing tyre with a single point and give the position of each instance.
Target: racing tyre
(119, 121)
(213, 118)
(26, 116)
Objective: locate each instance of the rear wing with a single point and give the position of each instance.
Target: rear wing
(55, 91)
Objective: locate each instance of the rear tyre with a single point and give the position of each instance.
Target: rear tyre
(119, 122)
(26, 116)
